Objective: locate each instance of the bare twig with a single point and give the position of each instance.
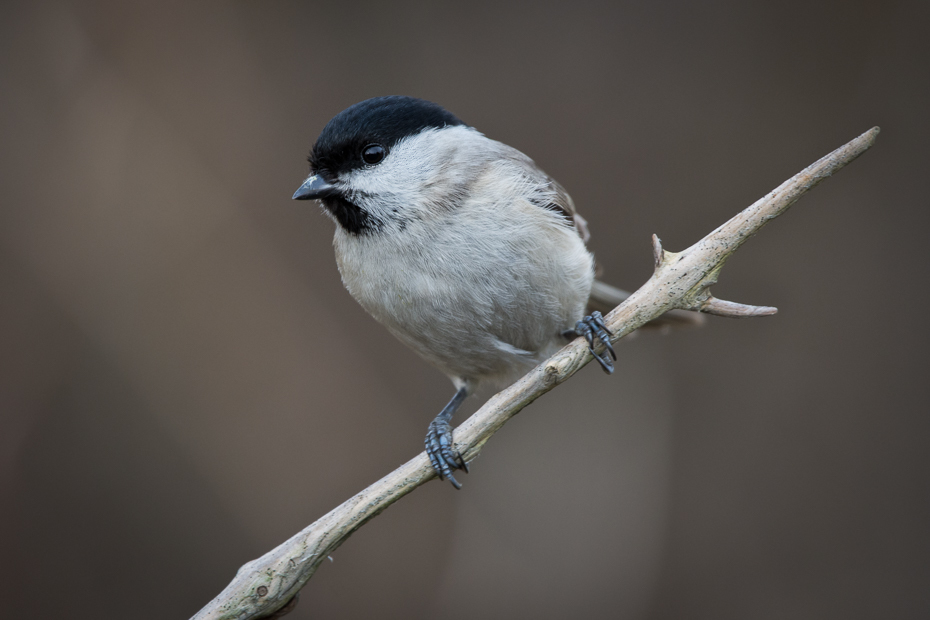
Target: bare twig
(605, 298)
(681, 280)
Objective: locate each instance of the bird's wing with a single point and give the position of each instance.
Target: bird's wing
(563, 202)
(549, 194)
(604, 297)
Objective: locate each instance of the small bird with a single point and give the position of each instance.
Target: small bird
(458, 244)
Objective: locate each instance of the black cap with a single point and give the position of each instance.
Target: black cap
(383, 121)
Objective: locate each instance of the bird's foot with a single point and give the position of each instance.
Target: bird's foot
(442, 453)
(591, 326)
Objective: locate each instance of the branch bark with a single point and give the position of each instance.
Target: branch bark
(682, 280)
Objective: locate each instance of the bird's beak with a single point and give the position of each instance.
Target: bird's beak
(314, 187)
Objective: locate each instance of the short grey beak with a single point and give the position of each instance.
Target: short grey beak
(314, 187)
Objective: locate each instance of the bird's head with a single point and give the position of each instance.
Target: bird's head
(384, 161)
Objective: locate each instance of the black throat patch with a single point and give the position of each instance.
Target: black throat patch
(350, 216)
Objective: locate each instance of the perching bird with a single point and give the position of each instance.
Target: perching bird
(460, 245)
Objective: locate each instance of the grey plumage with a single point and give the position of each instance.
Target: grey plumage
(468, 270)
(460, 245)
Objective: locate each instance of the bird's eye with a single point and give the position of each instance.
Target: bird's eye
(373, 153)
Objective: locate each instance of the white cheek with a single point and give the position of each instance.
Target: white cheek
(403, 181)
(396, 179)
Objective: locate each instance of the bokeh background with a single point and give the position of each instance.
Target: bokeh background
(184, 383)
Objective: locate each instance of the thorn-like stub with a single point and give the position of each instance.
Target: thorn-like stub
(659, 255)
(733, 310)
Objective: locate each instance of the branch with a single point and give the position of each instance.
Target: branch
(680, 281)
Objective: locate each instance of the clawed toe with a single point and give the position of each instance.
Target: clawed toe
(442, 453)
(439, 447)
(593, 326)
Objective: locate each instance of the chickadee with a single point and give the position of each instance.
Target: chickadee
(458, 244)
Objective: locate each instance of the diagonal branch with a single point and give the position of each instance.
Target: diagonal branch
(680, 281)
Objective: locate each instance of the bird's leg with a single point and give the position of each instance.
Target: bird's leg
(439, 447)
(589, 327)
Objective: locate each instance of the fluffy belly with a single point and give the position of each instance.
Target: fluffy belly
(475, 315)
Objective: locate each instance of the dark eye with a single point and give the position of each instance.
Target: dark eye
(373, 153)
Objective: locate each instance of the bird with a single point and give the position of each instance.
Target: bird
(461, 246)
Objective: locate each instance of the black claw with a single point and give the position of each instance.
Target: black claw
(591, 326)
(606, 364)
(431, 453)
(582, 329)
(603, 333)
(443, 456)
(449, 456)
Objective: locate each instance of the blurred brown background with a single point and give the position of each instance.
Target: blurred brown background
(184, 383)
